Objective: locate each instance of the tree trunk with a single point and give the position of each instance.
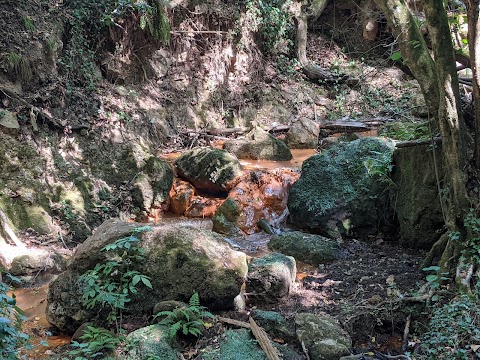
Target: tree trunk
(413, 47)
(473, 10)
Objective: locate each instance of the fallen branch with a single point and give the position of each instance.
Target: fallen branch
(263, 340)
(404, 144)
(235, 322)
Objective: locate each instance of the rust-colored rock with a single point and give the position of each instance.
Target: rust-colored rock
(184, 201)
(261, 195)
(181, 196)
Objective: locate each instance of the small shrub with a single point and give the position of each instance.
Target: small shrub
(188, 320)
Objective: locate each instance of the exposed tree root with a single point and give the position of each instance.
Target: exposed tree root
(436, 251)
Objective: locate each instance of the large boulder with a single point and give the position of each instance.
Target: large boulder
(415, 198)
(323, 337)
(256, 195)
(271, 277)
(308, 248)
(210, 170)
(153, 184)
(274, 324)
(259, 145)
(303, 134)
(343, 190)
(179, 260)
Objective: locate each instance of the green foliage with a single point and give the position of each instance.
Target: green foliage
(435, 279)
(152, 16)
(380, 166)
(453, 328)
(187, 320)
(11, 318)
(406, 131)
(472, 242)
(113, 283)
(97, 342)
(28, 23)
(274, 24)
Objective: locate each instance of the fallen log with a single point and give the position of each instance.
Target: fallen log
(404, 144)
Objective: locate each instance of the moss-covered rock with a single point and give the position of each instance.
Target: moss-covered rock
(259, 145)
(323, 337)
(271, 277)
(308, 248)
(225, 218)
(150, 342)
(236, 345)
(415, 198)
(274, 324)
(208, 169)
(343, 191)
(180, 260)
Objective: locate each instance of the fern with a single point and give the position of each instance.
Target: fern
(189, 319)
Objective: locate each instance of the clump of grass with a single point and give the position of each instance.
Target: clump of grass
(19, 66)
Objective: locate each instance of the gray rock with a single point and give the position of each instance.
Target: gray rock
(168, 305)
(8, 120)
(271, 277)
(37, 261)
(259, 145)
(343, 190)
(308, 248)
(303, 134)
(153, 184)
(150, 342)
(208, 169)
(179, 260)
(322, 336)
(416, 199)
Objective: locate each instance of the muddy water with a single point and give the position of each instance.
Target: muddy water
(33, 302)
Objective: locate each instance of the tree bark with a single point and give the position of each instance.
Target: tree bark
(473, 10)
(413, 47)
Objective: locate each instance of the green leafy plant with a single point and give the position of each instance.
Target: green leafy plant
(113, 283)
(11, 319)
(188, 320)
(435, 279)
(380, 166)
(97, 342)
(453, 331)
(406, 131)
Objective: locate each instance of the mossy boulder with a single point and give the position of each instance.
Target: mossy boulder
(308, 248)
(415, 198)
(343, 190)
(153, 184)
(225, 218)
(271, 277)
(323, 337)
(210, 170)
(25, 214)
(259, 145)
(150, 342)
(180, 260)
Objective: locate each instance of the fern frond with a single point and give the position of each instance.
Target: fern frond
(194, 300)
